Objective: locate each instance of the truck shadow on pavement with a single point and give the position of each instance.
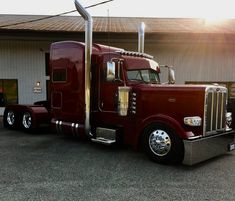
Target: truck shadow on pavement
(44, 139)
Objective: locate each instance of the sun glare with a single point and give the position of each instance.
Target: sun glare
(215, 13)
(212, 20)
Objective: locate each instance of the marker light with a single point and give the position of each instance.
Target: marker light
(193, 121)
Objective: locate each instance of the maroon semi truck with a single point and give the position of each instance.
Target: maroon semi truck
(113, 96)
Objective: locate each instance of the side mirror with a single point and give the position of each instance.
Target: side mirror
(110, 76)
(113, 71)
(171, 75)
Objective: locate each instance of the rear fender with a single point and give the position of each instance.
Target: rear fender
(39, 114)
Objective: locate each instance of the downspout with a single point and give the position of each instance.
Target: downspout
(88, 50)
(141, 30)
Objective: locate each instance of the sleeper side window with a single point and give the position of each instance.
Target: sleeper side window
(59, 75)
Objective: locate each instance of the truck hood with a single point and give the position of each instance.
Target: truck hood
(172, 101)
(175, 102)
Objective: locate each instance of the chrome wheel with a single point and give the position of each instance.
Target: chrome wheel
(10, 118)
(27, 120)
(160, 142)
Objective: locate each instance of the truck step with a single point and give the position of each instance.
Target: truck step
(104, 141)
(105, 136)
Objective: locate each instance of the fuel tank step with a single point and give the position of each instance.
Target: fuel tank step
(103, 141)
(105, 136)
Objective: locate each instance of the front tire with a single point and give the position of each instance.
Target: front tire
(162, 144)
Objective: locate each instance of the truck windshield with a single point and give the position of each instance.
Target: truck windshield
(146, 76)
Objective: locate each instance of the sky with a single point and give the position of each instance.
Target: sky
(210, 9)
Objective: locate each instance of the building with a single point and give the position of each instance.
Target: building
(199, 51)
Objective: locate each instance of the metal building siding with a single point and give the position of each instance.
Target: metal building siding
(197, 62)
(24, 61)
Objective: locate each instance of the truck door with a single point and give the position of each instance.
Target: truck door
(111, 77)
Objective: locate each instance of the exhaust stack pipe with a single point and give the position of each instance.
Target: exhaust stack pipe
(141, 30)
(88, 50)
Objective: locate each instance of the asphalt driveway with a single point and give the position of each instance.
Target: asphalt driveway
(45, 166)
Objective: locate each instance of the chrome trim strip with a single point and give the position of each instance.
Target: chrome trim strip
(56, 126)
(217, 111)
(212, 111)
(60, 127)
(205, 110)
(103, 141)
(222, 110)
(76, 129)
(72, 129)
(195, 137)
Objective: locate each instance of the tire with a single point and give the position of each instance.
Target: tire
(162, 144)
(27, 121)
(10, 119)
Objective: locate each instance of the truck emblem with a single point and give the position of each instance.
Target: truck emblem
(171, 100)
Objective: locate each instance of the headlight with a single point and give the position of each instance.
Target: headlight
(193, 121)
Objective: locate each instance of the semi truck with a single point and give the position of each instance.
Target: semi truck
(113, 96)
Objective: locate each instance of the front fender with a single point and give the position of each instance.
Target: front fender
(166, 120)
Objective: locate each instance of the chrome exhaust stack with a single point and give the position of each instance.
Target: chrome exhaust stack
(141, 30)
(88, 50)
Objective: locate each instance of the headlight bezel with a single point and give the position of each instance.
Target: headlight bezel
(193, 121)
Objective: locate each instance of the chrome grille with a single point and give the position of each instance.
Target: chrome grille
(215, 110)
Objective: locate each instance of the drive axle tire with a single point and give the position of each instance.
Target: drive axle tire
(162, 144)
(27, 121)
(10, 119)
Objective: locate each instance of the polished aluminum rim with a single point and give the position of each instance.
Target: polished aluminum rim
(10, 118)
(159, 142)
(27, 120)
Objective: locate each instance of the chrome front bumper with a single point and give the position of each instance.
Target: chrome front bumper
(204, 148)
